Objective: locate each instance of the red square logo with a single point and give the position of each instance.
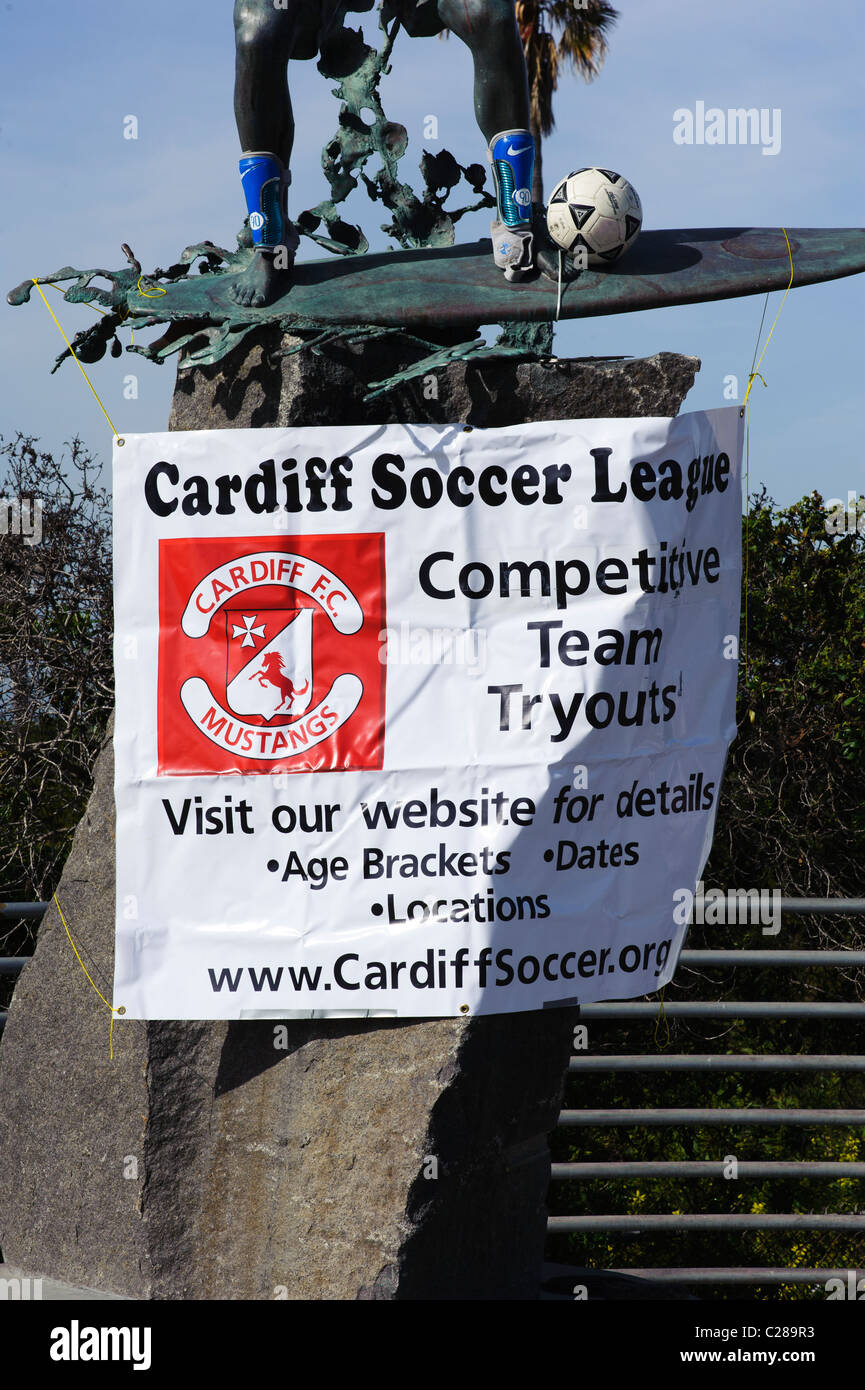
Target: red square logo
(269, 654)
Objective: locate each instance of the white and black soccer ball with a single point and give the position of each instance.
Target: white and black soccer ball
(597, 210)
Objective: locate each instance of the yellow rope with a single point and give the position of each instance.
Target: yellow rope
(121, 1010)
(81, 369)
(747, 527)
(156, 291)
(746, 411)
(122, 314)
(662, 1018)
(772, 329)
(103, 312)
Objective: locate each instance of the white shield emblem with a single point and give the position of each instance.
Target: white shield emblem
(276, 676)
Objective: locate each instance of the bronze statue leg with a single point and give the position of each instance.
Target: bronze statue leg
(266, 38)
(489, 29)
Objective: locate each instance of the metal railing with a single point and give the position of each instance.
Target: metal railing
(744, 1116)
(13, 965)
(649, 1224)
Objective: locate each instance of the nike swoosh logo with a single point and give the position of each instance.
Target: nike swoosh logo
(511, 149)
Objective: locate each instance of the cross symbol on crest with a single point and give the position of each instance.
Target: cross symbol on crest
(248, 632)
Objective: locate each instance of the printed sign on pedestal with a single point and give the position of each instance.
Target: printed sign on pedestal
(418, 721)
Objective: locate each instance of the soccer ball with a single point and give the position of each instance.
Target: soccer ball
(597, 210)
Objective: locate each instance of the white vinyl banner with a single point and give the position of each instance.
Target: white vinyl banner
(418, 720)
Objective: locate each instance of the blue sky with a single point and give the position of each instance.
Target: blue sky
(75, 189)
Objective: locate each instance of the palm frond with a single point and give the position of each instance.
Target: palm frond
(557, 34)
(581, 32)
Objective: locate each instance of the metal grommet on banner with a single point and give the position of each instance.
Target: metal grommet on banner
(464, 1008)
(120, 442)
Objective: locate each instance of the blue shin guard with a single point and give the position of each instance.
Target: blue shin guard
(265, 180)
(512, 155)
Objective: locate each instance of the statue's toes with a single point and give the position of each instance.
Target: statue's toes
(548, 263)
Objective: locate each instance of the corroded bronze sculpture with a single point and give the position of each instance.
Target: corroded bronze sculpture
(429, 290)
(439, 296)
(267, 37)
